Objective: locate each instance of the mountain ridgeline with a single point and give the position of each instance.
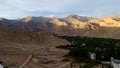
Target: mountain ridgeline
(32, 28)
(38, 38)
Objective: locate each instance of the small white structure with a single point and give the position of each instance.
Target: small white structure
(1, 66)
(115, 63)
(92, 56)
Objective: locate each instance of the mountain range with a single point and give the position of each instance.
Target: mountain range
(73, 25)
(23, 37)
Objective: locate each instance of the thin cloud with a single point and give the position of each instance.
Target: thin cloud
(22, 8)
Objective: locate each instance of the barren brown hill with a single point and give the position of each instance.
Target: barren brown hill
(29, 42)
(19, 45)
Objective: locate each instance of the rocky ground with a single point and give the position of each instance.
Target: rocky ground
(15, 55)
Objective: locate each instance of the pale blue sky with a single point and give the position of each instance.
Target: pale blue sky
(59, 8)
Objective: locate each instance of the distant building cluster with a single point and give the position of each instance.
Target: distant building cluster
(114, 62)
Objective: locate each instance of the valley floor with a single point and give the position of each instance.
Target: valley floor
(15, 55)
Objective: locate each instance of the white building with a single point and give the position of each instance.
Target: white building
(115, 63)
(92, 56)
(1, 66)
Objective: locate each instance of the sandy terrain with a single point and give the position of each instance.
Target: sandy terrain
(15, 55)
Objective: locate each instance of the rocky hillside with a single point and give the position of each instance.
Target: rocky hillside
(69, 25)
(31, 41)
(25, 46)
